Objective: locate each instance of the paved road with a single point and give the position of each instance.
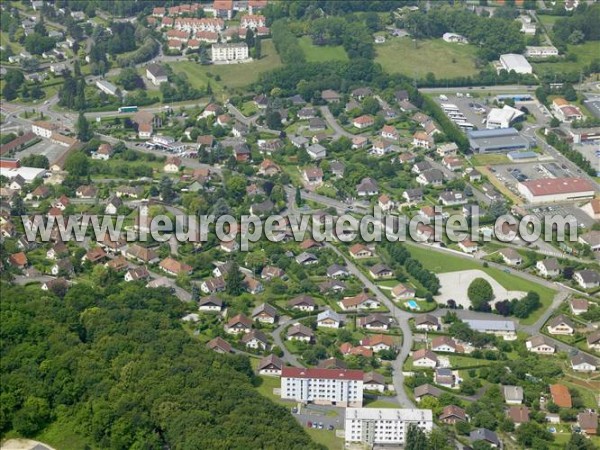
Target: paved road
(339, 130)
(288, 357)
(401, 318)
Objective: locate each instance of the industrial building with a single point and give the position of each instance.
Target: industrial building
(374, 426)
(502, 117)
(515, 62)
(550, 190)
(497, 140)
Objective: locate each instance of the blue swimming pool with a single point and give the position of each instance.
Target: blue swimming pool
(412, 305)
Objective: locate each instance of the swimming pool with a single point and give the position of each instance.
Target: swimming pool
(412, 305)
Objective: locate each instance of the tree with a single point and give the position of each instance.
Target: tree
(415, 439)
(570, 93)
(235, 280)
(257, 48)
(298, 197)
(480, 292)
(77, 164)
(273, 120)
(167, 193)
(578, 442)
(554, 122)
(83, 128)
(9, 92)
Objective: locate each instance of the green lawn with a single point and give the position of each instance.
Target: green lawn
(368, 403)
(326, 438)
(232, 76)
(317, 53)
(585, 54)
(548, 21)
(443, 59)
(435, 262)
(485, 160)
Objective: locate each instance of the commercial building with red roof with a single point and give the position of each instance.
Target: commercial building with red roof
(551, 190)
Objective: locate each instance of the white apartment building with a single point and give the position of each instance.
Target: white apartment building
(545, 51)
(229, 52)
(338, 387)
(374, 426)
(43, 129)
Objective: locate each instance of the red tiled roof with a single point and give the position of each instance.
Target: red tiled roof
(554, 186)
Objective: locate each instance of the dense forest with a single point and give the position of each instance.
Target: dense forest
(115, 365)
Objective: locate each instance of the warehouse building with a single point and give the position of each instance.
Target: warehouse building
(502, 117)
(515, 62)
(552, 190)
(374, 426)
(497, 140)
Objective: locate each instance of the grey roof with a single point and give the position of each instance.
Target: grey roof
(367, 185)
(432, 175)
(512, 393)
(332, 363)
(414, 194)
(211, 300)
(589, 276)
(483, 434)
(157, 70)
(302, 300)
(426, 318)
(582, 358)
(538, 340)
(551, 264)
(425, 389)
(305, 256)
(560, 320)
(264, 308)
(501, 139)
(329, 314)
(335, 268)
(490, 325)
(378, 268)
(271, 360)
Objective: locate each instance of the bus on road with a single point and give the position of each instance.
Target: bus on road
(128, 109)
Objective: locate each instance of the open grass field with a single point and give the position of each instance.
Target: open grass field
(585, 54)
(326, 438)
(448, 263)
(316, 53)
(232, 76)
(444, 60)
(370, 403)
(548, 21)
(485, 160)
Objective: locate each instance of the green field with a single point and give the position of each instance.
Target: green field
(435, 262)
(485, 160)
(379, 403)
(316, 53)
(444, 60)
(548, 21)
(585, 54)
(326, 438)
(232, 76)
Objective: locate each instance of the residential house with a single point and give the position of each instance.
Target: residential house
(313, 175)
(367, 188)
(452, 414)
(561, 325)
(360, 251)
(452, 163)
(587, 279)
(219, 345)
(513, 395)
(389, 132)
(385, 203)
(427, 322)
(337, 271)
(445, 377)
(331, 96)
(518, 414)
(591, 238)
(172, 164)
(379, 271)
(265, 313)
(588, 422)
(212, 303)
(483, 434)
(174, 267)
(378, 342)
(582, 362)
(540, 344)
(86, 192)
(271, 272)
(136, 274)
(579, 306)
(413, 196)
(306, 259)
(18, 260)
(425, 358)
(299, 332)
(330, 286)
(377, 322)
(593, 341)
(468, 246)
(238, 324)
(362, 301)
(364, 121)
(316, 151)
(256, 339)
(381, 147)
(548, 267)
(510, 256)
(403, 292)
(452, 198)
(62, 266)
(95, 255)
(444, 344)
(448, 149)
(426, 390)
(374, 382)
(422, 140)
(359, 142)
(142, 254)
(113, 205)
(270, 365)
(212, 285)
(329, 319)
(431, 177)
(302, 303)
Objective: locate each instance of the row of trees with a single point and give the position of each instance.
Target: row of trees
(400, 256)
(286, 44)
(347, 31)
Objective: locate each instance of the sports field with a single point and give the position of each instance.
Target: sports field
(444, 60)
(316, 53)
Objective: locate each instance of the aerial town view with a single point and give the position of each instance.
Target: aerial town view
(299, 224)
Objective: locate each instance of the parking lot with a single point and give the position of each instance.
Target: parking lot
(511, 174)
(473, 109)
(46, 148)
(321, 417)
(591, 152)
(592, 102)
(562, 210)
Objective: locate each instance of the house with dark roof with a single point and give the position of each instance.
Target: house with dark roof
(483, 434)
(452, 414)
(265, 313)
(270, 365)
(561, 324)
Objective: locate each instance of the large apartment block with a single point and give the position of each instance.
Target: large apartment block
(338, 387)
(373, 426)
(229, 52)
